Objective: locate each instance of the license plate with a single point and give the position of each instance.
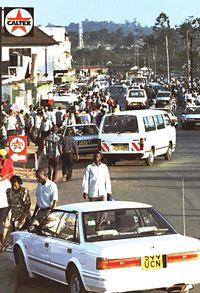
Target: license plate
(197, 123)
(120, 147)
(83, 142)
(153, 262)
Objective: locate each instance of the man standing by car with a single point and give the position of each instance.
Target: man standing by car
(69, 148)
(96, 181)
(46, 195)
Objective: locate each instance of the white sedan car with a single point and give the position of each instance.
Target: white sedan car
(114, 246)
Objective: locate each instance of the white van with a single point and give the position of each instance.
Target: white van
(142, 134)
(136, 99)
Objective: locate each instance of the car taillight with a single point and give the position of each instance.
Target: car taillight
(141, 144)
(179, 257)
(105, 264)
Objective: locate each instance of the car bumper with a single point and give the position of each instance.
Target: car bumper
(137, 280)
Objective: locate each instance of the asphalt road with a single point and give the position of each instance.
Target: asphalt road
(162, 185)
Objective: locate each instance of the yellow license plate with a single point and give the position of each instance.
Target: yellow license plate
(153, 262)
(120, 148)
(83, 142)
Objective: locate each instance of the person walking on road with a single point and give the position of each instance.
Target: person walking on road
(6, 165)
(52, 142)
(96, 181)
(4, 185)
(46, 195)
(19, 203)
(69, 148)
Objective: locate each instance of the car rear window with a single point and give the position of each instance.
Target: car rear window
(123, 224)
(120, 124)
(136, 94)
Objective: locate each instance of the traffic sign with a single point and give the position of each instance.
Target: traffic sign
(18, 148)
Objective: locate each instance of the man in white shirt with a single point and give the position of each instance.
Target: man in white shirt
(46, 195)
(96, 181)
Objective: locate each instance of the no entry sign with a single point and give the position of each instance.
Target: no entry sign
(18, 148)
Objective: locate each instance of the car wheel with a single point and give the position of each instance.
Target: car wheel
(168, 154)
(75, 282)
(22, 272)
(150, 160)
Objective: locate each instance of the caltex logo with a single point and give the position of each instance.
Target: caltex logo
(18, 21)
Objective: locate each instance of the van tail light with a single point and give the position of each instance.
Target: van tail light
(141, 144)
(105, 264)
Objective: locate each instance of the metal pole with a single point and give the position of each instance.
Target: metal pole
(1, 10)
(167, 53)
(191, 61)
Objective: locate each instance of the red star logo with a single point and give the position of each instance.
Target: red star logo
(19, 18)
(17, 144)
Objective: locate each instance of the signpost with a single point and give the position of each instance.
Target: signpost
(18, 148)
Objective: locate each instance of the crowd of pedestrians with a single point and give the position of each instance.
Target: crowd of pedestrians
(43, 126)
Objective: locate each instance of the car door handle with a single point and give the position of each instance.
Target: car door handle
(69, 250)
(46, 244)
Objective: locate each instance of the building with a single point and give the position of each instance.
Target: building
(29, 64)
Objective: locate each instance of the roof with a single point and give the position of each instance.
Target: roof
(39, 39)
(135, 112)
(102, 205)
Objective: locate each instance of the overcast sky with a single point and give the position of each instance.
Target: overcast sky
(62, 12)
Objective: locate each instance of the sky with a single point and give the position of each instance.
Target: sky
(63, 12)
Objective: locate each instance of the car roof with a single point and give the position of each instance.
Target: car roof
(102, 205)
(136, 112)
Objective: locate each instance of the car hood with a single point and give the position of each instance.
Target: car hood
(166, 244)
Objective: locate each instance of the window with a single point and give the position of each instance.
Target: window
(149, 123)
(160, 121)
(123, 224)
(50, 225)
(68, 227)
(120, 123)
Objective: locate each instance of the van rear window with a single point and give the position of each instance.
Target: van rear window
(120, 124)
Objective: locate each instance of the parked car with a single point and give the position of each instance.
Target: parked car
(86, 136)
(114, 246)
(171, 115)
(190, 117)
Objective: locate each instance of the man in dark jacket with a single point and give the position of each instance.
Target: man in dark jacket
(68, 149)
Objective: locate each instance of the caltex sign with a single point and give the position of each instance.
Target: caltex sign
(19, 22)
(18, 148)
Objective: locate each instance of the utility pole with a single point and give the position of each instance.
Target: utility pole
(167, 55)
(188, 55)
(191, 61)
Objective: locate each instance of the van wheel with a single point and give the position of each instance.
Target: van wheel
(168, 154)
(150, 160)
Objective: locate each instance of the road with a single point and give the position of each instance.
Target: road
(160, 185)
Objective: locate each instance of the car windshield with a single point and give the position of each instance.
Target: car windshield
(84, 130)
(120, 124)
(136, 94)
(124, 224)
(192, 110)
